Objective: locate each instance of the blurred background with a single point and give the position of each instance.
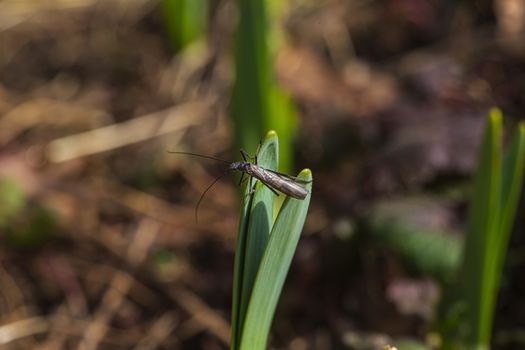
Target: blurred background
(384, 100)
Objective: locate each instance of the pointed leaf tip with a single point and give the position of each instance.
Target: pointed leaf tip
(271, 134)
(521, 128)
(305, 173)
(495, 114)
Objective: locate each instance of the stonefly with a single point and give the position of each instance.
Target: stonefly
(275, 181)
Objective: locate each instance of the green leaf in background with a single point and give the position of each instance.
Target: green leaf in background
(482, 228)
(185, 21)
(23, 225)
(414, 228)
(263, 254)
(283, 119)
(512, 182)
(253, 79)
(497, 187)
(257, 103)
(12, 200)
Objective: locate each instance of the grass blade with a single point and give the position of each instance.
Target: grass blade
(257, 104)
(512, 182)
(483, 228)
(259, 223)
(254, 228)
(274, 268)
(253, 78)
(405, 226)
(185, 21)
(238, 271)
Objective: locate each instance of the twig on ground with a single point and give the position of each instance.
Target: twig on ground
(158, 332)
(135, 130)
(119, 286)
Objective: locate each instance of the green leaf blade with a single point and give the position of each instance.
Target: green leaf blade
(274, 268)
(185, 21)
(483, 228)
(512, 183)
(254, 228)
(260, 220)
(257, 102)
(483, 235)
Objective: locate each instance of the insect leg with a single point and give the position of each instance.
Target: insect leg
(240, 180)
(245, 155)
(257, 152)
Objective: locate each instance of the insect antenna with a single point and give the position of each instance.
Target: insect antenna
(202, 156)
(214, 181)
(206, 190)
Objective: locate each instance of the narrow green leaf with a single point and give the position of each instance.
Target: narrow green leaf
(512, 182)
(274, 268)
(283, 119)
(185, 21)
(250, 101)
(260, 221)
(238, 271)
(257, 103)
(493, 207)
(254, 228)
(483, 228)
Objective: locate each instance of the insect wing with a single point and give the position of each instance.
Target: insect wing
(279, 182)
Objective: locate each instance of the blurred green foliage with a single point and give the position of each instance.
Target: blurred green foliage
(403, 225)
(470, 271)
(185, 21)
(35, 228)
(12, 200)
(497, 188)
(23, 225)
(409, 344)
(257, 104)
